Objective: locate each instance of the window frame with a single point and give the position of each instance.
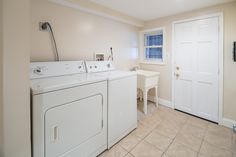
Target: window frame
(142, 47)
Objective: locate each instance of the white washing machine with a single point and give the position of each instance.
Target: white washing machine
(69, 110)
(122, 102)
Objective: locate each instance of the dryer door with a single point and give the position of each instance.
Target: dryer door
(73, 129)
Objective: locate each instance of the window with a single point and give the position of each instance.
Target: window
(152, 46)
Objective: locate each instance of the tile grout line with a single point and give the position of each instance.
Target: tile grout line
(217, 146)
(152, 130)
(196, 138)
(198, 153)
(173, 139)
(143, 139)
(129, 151)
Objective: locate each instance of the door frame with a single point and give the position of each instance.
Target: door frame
(221, 59)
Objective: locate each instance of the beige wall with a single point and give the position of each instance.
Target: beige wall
(16, 49)
(79, 35)
(229, 11)
(1, 102)
(110, 13)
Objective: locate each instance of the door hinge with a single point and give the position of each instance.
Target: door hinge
(102, 123)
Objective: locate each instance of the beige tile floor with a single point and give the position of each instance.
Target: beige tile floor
(164, 132)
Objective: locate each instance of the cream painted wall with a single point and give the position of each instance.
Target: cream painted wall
(16, 91)
(229, 10)
(92, 7)
(1, 64)
(79, 35)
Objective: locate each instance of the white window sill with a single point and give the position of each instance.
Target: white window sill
(152, 62)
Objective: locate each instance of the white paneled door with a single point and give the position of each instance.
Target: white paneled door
(196, 67)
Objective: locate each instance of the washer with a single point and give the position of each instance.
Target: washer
(122, 101)
(69, 110)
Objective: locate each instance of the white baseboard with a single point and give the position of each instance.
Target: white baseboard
(227, 122)
(163, 102)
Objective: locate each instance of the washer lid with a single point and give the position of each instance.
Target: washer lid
(107, 69)
(51, 76)
(43, 85)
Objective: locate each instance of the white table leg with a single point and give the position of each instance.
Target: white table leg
(140, 95)
(156, 92)
(145, 101)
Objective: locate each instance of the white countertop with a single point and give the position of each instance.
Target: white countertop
(117, 74)
(147, 73)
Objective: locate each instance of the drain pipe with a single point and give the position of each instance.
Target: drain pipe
(47, 27)
(111, 56)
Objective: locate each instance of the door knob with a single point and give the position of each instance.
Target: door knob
(177, 75)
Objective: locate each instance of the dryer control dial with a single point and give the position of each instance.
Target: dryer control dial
(38, 70)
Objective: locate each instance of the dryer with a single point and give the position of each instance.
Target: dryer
(69, 110)
(122, 99)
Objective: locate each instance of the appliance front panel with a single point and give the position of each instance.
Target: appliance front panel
(122, 109)
(71, 126)
(70, 122)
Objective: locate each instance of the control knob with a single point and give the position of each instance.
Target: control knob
(38, 71)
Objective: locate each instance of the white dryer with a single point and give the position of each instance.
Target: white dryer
(122, 101)
(69, 110)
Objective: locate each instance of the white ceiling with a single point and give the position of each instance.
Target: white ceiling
(151, 9)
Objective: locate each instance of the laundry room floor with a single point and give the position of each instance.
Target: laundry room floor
(164, 132)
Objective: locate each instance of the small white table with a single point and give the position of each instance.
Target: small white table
(146, 81)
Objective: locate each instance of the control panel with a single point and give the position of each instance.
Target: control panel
(51, 69)
(99, 66)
